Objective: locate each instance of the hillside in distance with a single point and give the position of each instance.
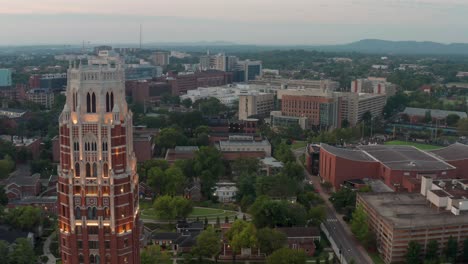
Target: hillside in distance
(399, 47)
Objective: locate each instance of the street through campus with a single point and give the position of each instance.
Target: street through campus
(349, 246)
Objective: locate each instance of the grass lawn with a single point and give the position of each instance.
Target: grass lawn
(417, 145)
(298, 144)
(376, 258)
(199, 212)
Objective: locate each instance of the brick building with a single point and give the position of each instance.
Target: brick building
(399, 167)
(98, 210)
(301, 238)
(438, 213)
(21, 184)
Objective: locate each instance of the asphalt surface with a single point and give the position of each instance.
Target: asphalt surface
(338, 230)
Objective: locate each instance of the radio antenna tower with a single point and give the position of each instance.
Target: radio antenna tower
(141, 36)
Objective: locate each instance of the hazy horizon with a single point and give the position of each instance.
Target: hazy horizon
(258, 22)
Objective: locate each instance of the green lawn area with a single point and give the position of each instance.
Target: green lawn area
(376, 258)
(417, 145)
(200, 212)
(298, 144)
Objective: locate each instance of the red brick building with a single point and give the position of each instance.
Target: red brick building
(301, 238)
(98, 211)
(22, 185)
(399, 167)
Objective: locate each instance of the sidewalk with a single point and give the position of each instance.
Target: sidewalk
(46, 249)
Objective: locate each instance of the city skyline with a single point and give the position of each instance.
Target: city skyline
(294, 22)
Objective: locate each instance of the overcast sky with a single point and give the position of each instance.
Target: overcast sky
(240, 21)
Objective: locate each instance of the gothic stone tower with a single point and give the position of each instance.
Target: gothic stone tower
(98, 184)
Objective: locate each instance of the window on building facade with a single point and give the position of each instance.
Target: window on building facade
(88, 103)
(88, 170)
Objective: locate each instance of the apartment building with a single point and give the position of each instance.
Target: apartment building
(373, 85)
(354, 105)
(41, 96)
(255, 104)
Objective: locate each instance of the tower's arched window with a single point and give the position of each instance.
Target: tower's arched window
(95, 170)
(90, 213)
(94, 103)
(80, 258)
(111, 101)
(88, 103)
(88, 170)
(74, 102)
(105, 170)
(77, 169)
(107, 102)
(77, 212)
(94, 212)
(106, 213)
(91, 259)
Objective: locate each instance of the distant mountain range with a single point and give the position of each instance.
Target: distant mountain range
(399, 47)
(373, 46)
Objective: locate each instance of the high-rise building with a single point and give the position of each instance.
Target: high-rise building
(373, 85)
(41, 96)
(251, 69)
(161, 58)
(5, 78)
(256, 105)
(98, 184)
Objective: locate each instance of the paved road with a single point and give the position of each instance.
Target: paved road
(338, 229)
(46, 250)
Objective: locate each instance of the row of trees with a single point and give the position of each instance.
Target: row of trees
(434, 254)
(19, 252)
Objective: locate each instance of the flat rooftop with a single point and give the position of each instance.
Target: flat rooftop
(410, 210)
(405, 158)
(457, 151)
(350, 154)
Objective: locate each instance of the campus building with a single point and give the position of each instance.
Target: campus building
(255, 105)
(44, 97)
(399, 167)
(438, 212)
(98, 211)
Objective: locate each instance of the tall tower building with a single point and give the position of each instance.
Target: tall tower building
(98, 183)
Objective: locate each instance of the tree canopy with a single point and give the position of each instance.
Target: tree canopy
(287, 256)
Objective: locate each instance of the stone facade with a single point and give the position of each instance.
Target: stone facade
(98, 184)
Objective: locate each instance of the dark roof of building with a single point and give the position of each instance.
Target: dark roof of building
(356, 155)
(24, 180)
(405, 158)
(300, 231)
(435, 113)
(10, 235)
(190, 226)
(410, 210)
(165, 236)
(455, 151)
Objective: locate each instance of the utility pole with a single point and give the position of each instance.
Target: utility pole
(141, 36)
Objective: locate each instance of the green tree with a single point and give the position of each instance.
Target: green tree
(208, 165)
(245, 166)
(187, 102)
(170, 137)
(6, 166)
(452, 119)
(432, 250)
(287, 256)
(462, 127)
(451, 249)
(465, 250)
(343, 198)
(208, 244)
(23, 252)
(283, 153)
(270, 240)
(25, 217)
(360, 225)
(413, 253)
(246, 238)
(210, 106)
(153, 254)
(4, 250)
(3, 196)
(272, 213)
(175, 181)
(317, 215)
(293, 171)
(169, 208)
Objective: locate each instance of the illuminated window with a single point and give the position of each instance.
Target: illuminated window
(105, 170)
